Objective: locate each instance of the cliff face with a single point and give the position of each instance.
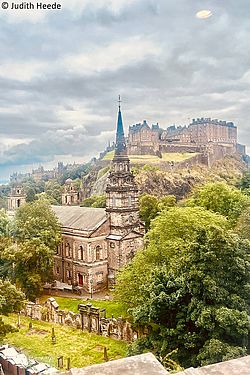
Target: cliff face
(178, 182)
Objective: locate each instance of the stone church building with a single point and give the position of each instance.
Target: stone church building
(97, 242)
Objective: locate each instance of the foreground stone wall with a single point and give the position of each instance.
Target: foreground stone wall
(89, 318)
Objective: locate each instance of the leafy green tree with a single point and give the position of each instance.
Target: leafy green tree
(37, 233)
(243, 224)
(171, 231)
(97, 201)
(220, 198)
(31, 188)
(148, 208)
(11, 300)
(54, 190)
(244, 183)
(185, 285)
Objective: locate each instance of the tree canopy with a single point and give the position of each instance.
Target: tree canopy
(221, 198)
(11, 300)
(185, 285)
(37, 233)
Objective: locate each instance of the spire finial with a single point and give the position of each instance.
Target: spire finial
(119, 101)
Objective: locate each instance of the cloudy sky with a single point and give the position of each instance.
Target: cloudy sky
(61, 73)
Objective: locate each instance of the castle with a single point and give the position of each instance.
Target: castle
(97, 242)
(208, 136)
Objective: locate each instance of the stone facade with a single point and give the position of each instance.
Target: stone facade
(96, 242)
(71, 194)
(16, 198)
(203, 135)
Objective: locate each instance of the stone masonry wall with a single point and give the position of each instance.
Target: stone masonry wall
(89, 318)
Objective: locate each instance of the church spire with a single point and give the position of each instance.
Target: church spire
(120, 143)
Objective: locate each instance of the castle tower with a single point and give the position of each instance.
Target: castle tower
(70, 195)
(126, 230)
(16, 198)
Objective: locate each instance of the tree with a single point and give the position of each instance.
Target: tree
(11, 300)
(54, 190)
(37, 234)
(150, 206)
(243, 224)
(97, 201)
(185, 285)
(220, 198)
(244, 183)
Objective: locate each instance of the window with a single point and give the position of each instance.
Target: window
(57, 270)
(67, 248)
(112, 245)
(98, 252)
(81, 253)
(18, 203)
(99, 277)
(113, 201)
(68, 274)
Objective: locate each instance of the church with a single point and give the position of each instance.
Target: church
(97, 242)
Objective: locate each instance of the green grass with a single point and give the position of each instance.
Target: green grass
(70, 304)
(82, 348)
(152, 159)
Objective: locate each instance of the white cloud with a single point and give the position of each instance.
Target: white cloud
(112, 56)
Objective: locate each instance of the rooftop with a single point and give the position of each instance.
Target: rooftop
(80, 218)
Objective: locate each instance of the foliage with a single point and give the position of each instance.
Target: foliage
(74, 172)
(11, 300)
(150, 206)
(94, 201)
(185, 284)
(220, 198)
(37, 343)
(243, 224)
(4, 222)
(244, 183)
(54, 190)
(31, 188)
(37, 233)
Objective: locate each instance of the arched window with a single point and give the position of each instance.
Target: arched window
(81, 253)
(67, 248)
(18, 203)
(98, 252)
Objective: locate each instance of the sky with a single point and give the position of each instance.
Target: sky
(61, 72)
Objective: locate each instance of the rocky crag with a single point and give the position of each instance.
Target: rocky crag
(178, 181)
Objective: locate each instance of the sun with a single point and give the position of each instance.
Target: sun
(204, 14)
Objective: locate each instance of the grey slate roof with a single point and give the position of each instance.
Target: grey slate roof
(80, 218)
(239, 366)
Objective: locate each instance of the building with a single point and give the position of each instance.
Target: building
(211, 137)
(71, 194)
(97, 242)
(16, 198)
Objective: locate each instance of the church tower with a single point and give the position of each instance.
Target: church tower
(16, 198)
(122, 207)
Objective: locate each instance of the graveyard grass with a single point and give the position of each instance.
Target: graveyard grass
(70, 304)
(82, 348)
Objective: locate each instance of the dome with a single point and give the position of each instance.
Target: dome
(68, 181)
